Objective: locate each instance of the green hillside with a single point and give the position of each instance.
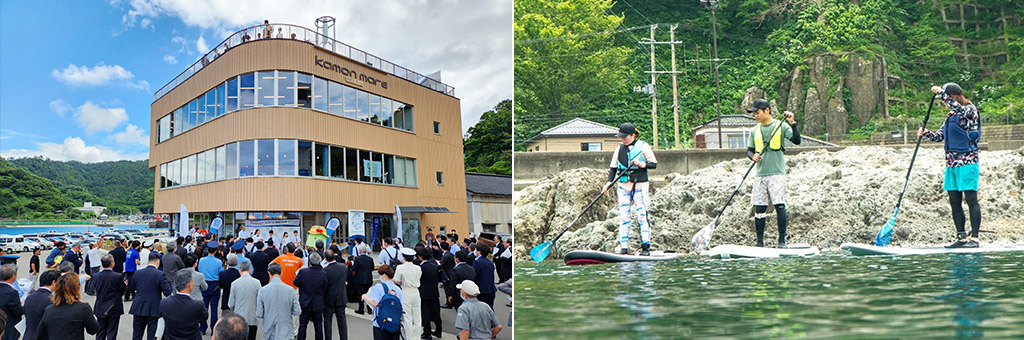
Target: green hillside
(121, 186)
(24, 194)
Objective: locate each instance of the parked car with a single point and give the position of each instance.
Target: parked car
(12, 244)
(43, 243)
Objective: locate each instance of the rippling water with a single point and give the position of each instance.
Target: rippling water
(824, 297)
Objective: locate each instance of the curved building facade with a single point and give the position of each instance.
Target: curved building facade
(283, 134)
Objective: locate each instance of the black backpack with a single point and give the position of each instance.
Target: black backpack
(394, 262)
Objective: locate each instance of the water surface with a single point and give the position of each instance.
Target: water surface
(824, 297)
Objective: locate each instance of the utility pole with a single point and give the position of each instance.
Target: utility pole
(675, 87)
(718, 89)
(654, 92)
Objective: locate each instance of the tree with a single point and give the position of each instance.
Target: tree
(566, 61)
(488, 145)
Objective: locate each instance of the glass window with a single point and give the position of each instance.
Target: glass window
(286, 88)
(364, 165)
(305, 90)
(247, 90)
(272, 215)
(221, 162)
(440, 178)
(320, 94)
(177, 127)
(407, 114)
(305, 158)
(265, 150)
(265, 88)
(437, 128)
(190, 170)
(352, 157)
(400, 171)
(386, 111)
(201, 110)
(163, 176)
(286, 157)
(232, 95)
(374, 109)
(211, 105)
(377, 169)
(211, 165)
(399, 120)
(219, 106)
(246, 161)
(200, 160)
(410, 172)
(192, 108)
(174, 173)
(389, 169)
(337, 161)
(323, 160)
(363, 106)
(350, 102)
(165, 128)
(337, 102)
(232, 163)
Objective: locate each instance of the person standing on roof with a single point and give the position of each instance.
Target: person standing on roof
(635, 157)
(769, 185)
(961, 132)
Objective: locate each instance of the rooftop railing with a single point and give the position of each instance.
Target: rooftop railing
(293, 32)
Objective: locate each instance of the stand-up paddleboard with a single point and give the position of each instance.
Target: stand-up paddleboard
(867, 249)
(582, 257)
(727, 251)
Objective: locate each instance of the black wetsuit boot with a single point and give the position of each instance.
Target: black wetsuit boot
(759, 224)
(645, 249)
(780, 214)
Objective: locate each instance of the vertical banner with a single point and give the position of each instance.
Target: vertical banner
(398, 220)
(356, 226)
(183, 221)
(332, 225)
(215, 225)
(376, 226)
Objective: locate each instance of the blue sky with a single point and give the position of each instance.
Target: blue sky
(77, 77)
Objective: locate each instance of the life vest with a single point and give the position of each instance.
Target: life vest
(634, 153)
(957, 138)
(774, 144)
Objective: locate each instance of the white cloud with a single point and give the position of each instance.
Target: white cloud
(73, 149)
(60, 107)
(469, 41)
(94, 118)
(170, 59)
(131, 135)
(98, 75)
(201, 45)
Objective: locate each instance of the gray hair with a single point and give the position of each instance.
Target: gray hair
(274, 268)
(8, 271)
(182, 279)
(171, 245)
(66, 266)
(230, 327)
(232, 260)
(314, 258)
(107, 260)
(245, 267)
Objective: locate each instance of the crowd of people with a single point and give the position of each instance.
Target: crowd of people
(177, 287)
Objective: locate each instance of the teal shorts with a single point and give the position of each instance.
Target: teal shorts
(961, 178)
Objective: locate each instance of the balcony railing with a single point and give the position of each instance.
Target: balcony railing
(286, 31)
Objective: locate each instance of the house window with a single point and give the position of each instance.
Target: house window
(596, 146)
(490, 227)
(437, 128)
(736, 141)
(440, 178)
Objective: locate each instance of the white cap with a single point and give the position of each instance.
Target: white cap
(408, 252)
(469, 287)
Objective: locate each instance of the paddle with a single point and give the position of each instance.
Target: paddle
(885, 234)
(702, 238)
(541, 251)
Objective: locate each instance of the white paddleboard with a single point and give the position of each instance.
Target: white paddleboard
(867, 249)
(726, 251)
(584, 257)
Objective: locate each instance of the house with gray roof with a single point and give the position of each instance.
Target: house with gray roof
(489, 199)
(577, 134)
(736, 130)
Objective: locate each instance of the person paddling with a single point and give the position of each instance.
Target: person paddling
(636, 157)
(961, 132)
(770, 182)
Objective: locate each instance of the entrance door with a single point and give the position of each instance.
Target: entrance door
(410, 231)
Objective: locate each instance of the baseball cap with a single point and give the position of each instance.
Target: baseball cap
(626, 129)
(469, 287)
(952, 88)
(759, 104)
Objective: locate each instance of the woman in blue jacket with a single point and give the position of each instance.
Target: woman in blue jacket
(960, 133)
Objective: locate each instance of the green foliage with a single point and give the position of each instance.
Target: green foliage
(21, 193)
(488, 146)
(122, 186)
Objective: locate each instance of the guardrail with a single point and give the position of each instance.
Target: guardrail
(294, 32)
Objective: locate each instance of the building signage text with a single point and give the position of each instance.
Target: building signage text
(351, 76)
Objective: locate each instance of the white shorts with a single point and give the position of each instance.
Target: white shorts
(769, 190)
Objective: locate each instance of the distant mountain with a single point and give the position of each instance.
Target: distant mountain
(122, 186)
(23, 193)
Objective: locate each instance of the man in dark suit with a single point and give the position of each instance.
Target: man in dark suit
(224, 280)
(430, 307)
(461, 272)
(10, 302)
(260, 260)
(180, 249)
(484, 275)
(110, 288)
(363, 268)
(146, 285)
(271, 250)
(181, 313)
(172, 262)
(37, 301)
(74, 256)
(119, 254)
(311, 281)
(447, 263)
(335, 294)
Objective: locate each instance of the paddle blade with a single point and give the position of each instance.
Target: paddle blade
(885, 234)
(702, 238)
(541, 251)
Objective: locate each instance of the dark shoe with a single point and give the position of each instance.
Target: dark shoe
(962, 243)
(425, 336)
(360, 312)
(645, 249)
(971, 244)
(759, 244)
(438, 334)
(781, 245)
(447, 306)
(624, 251)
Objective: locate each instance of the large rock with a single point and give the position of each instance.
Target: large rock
(864, 79)
(814, 117)
(545, 209)
(833, 197)
(795, 91)
(749, 96)
(826, 73)
(837, 120)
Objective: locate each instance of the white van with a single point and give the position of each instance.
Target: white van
(14, 244)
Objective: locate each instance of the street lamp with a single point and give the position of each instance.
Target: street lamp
(718, 90)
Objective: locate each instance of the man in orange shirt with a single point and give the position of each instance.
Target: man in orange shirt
(290, 264)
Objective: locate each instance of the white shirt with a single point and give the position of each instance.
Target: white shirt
(243, 234)
(94, 257)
